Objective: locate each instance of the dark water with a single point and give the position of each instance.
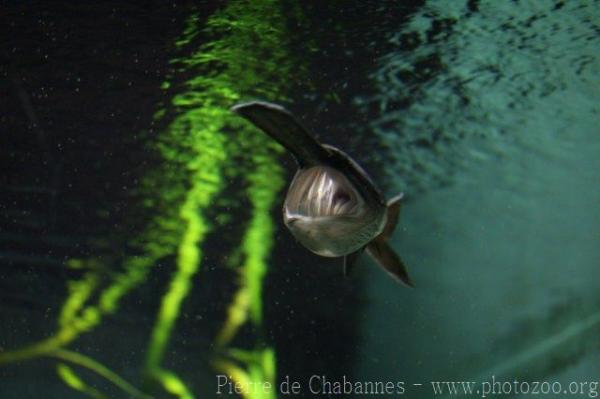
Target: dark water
(141, 248)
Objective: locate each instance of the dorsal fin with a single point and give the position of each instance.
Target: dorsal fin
(281, 125)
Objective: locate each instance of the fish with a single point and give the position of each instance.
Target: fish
(332, 207)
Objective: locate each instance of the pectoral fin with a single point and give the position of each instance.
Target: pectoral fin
(281, 125)
(393, 213)
(384, 255)
(350, 261)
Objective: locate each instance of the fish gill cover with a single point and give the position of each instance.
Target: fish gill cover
(201, 152)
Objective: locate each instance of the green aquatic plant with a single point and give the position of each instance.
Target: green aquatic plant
(247, 31)
(252, 371)
(71, 378)
(201, 146)
(203, 129)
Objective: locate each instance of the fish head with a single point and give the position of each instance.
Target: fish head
(328, 214)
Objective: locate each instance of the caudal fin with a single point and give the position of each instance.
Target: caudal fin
(380, 250)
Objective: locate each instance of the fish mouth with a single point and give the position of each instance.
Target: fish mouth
(322, 191)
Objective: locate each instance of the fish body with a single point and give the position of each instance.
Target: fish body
(332, 207)
(328, 214)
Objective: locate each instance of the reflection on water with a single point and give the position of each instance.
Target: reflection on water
(484, 71)
(142, 248)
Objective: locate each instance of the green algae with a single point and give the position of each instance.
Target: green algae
(200, 147)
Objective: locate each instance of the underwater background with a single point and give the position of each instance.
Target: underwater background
(142, 252)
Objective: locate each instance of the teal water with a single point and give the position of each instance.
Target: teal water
(502, 232)
(484, 113)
